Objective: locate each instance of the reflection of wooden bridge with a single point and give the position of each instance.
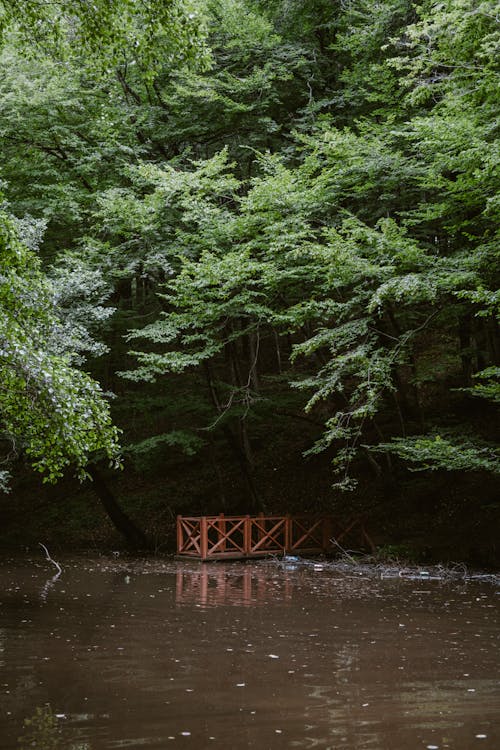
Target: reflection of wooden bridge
(236, 537)
(214, 585)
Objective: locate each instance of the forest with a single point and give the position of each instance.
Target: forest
(249, 262)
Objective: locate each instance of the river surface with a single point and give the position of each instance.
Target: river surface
(136, 654)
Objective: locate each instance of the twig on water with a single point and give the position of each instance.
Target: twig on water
(344, 552)
(59, 569)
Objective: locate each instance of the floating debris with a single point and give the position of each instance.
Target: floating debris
(368, 567)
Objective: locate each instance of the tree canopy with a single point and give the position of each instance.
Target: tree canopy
(268, 228)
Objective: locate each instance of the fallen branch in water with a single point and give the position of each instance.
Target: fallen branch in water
(345, 553)
(59, 569)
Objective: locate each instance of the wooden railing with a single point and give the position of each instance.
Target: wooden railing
(233, 537)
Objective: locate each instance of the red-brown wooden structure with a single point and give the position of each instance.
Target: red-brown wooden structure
(240, 537)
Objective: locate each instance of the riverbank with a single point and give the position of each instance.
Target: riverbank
(366, 567)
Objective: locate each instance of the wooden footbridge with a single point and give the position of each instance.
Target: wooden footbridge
(241, 537)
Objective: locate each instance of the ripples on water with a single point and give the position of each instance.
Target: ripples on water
(233, 655)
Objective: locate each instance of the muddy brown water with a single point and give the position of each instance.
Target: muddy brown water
(137, 654)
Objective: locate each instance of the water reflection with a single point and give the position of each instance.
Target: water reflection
(216, 585)
(48, 585)
(41, 731)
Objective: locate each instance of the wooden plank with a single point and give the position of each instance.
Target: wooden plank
(273, 539)
(191, 528)
(288, 534)
(247, 536)
(222, 530)
(307, 535)
(225, 541)
(203, 538)
(180, 544)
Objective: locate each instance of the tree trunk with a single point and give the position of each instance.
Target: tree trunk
(136, 539)
(239, 447)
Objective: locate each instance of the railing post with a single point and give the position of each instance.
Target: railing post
(288, 534)
(222, 532)
(247, 535)
(203, 538)
(179, 534)
(261, 526)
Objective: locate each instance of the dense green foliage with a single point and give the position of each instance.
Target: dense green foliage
(107, 32)
(287, 211)
(48, 408)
